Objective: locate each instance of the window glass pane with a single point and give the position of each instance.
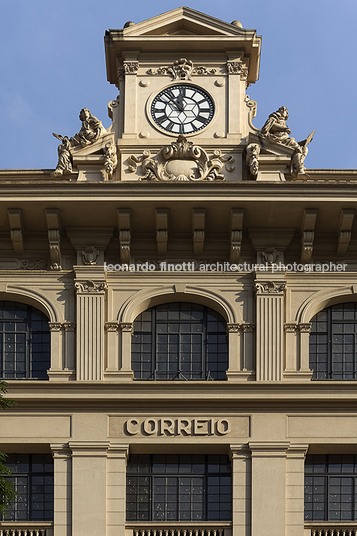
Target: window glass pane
(181, 488)
(188, 343)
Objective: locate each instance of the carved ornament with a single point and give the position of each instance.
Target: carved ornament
(237, 67)
(305, 328)
(111, 326)
(253, 151)
(90, 255)
(90, 287)
(270, 255)
(110, 159)
(233, 328)
(247, 328)
(55, 326)
(126, 326)
(35, 264)
(182, 161)
(181, 69)
(290, 328)
(270, 288)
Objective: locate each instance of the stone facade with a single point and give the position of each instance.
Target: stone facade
(189, 203)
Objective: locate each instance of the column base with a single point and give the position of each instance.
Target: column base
(240, 375)
(297, 375)
(118, 375)
(61, 375)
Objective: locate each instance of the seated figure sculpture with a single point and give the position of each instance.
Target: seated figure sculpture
(276, 130)
(92, 129)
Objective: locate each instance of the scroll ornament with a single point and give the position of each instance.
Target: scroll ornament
(182, 161)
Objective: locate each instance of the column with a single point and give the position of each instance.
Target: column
(90, 329)
(305, 330)
(89, 468)
(62, 490)
(116, 489)
(112, 350)
(130, 66)
(268, 487)
(126, 330)
(291, 365)
(237, 76)
(56, 350)
(240, 351)
(241, 490)
(69, 345)
(270, 317)
(295, 471)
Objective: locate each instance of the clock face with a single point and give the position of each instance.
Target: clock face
(182, 109)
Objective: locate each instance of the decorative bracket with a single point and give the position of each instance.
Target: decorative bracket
(253, 151)
(198, 229)
(161, 230)
(54, 238)
(16, 230)
(236, 234)
(344, 235)
(307, 231)
(124, 216)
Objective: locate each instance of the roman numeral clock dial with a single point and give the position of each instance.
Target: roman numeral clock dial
(182, 109)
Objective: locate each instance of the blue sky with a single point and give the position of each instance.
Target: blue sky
(52, 65)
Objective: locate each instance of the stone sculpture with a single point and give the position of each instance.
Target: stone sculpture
(91, 129)
(276, 130)
(64, 164)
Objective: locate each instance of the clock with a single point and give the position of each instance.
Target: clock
(182, 109)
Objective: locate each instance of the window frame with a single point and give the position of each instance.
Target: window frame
(206, 373)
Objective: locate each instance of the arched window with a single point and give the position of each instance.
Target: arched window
(24, 342)
(179, 341)
(333, 343)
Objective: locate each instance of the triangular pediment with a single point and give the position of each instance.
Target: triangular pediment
(182, 21)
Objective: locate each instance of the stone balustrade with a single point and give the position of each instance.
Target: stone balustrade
(26, 528)
(331, 529)
(178, 529)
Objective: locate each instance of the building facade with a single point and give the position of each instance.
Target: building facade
(179, 309)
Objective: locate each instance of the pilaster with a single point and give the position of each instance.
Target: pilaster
(241, 489)
(268, 487)
(116, 489)
(295, 472)
(62, 490)
(89, 468)
(270, 318)
(240, 357)
(125, 370)
(90, 326)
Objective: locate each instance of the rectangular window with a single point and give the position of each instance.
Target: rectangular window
(330, 487)
(33, 480)
(183, 487)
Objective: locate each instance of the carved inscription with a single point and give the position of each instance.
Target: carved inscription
(177, 427)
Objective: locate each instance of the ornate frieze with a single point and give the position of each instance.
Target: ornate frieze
(55, 326)
(270, 287)
(181, 69)
(90, 287)
(34, 264)
(182, 161)
(247, 328)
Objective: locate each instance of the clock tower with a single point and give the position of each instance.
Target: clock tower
(182, 73)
